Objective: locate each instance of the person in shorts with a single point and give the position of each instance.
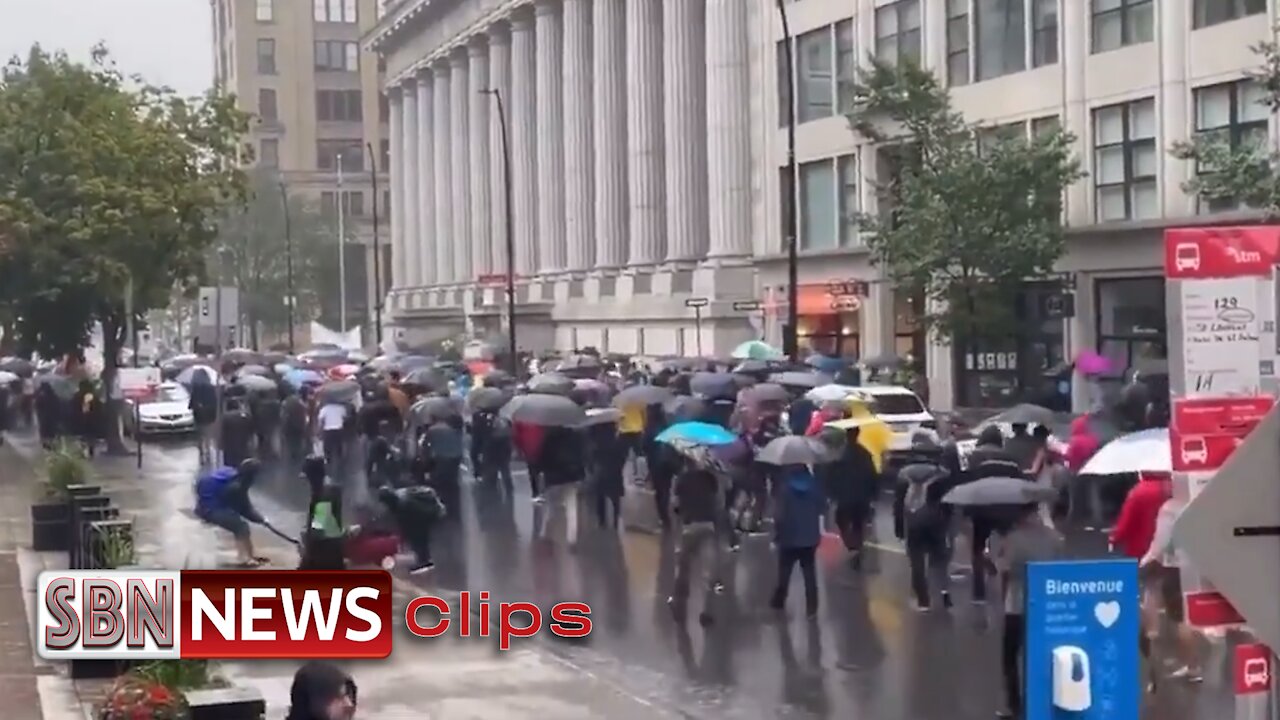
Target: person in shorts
(222, 499)
(1162, 564)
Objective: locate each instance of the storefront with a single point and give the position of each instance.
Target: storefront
(829, 319)
(1131, 325)
(1029, 366)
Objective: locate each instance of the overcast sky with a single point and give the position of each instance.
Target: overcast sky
(168, 42)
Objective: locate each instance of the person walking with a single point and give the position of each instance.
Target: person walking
(699, 507)
(798, 530)
(324, 535)
(1027, 540)
(564, 469)
(293, 426)
(920, 519)
(443, 446)
(236, 433)
(988, 459)
(204, 410)
(85, 411)
(609, 450)
(1162, 564)
(332, 421)
(852, 483)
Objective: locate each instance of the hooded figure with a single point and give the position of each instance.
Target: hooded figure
(321, 692)
(799, 530)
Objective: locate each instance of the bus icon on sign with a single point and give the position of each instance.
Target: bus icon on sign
(1186, 256)
(1194, 449)
(1257, 673)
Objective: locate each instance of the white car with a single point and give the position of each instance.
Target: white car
(165, 412)
(900, 409)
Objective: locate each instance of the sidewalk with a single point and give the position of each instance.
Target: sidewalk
(446, 678)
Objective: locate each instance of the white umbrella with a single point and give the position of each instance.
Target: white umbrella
(1144, 451)
(7, 377)
(830, 393)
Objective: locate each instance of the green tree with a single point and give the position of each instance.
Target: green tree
(107, 187)
(964, 226)
(1240, 170)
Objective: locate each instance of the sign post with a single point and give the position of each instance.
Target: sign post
(136, 383)
(697, 304)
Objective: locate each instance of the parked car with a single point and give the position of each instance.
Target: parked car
(167, 411)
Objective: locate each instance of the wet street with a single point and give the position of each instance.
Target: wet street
(867, 655)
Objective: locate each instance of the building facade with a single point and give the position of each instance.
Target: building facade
(649, 167)
(315, 94)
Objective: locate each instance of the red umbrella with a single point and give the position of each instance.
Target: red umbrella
(344, 371)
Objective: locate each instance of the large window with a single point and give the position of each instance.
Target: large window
(1044, 32)
(265, 10)
(337, 55)
(335, 11)
(267, 108)
(1233, 114)
(269, 153)
(850, 199)
(987, 138)
(828, 203)
(1212, 12)
(384, 108)
(338, 105)
(266, 56)
(352, 203)
(958, 42)
(1002, 37)
(1125, 161)
(825, 66)
(384, 156)
(351, 153)
(898, 31)
(1117, 23)
(1131, 322)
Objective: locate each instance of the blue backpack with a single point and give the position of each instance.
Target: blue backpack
(210, 487)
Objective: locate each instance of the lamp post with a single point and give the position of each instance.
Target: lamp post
(377, 251)
(288, 260)
(342, 258)
(790, 339)
(511, 242)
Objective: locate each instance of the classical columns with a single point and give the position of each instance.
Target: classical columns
(646, 174)
(609, 96)
(399, 279)
(459, 105)
(550, 86)
(524, 158)
(425, 258)
(499, 80)
(443, 164)
(482, 260)
(685, 112)
(728, 128)
(412, 236)
(579, 149)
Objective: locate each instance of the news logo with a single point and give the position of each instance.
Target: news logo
(84, 614)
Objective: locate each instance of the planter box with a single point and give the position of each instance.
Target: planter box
(233, 703)
(82, 490)
(96, 537)
(79, 506)
(84, 546)
(50, 526)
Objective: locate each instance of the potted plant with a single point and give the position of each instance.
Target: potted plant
(191, 686)
(65, 466)
(137, 696)
(114, 541)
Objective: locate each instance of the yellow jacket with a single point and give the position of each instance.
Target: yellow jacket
(632, 420)
(873, 433)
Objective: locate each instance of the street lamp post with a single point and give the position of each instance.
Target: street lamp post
(511, 241)
(790, 339)
(377, 256)
(342, 258)
(288, 260)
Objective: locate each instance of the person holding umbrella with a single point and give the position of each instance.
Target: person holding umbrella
(852, 482)
(798, 515)
(920, 518)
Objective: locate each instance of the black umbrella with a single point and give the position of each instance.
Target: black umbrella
(683, 407)
(999, 491)
(550, 384)
(884, 362)
(253, 370)
(338, 391)
(430, 409)
(426, 377)
(714, 385)
(755, 367)
(487, 398)
(498, 378)
(765, 392)
(407, 363)
(271, 359)
(642, 395)
(241, 356)
(580, 363)
(18, 366)
(545, 410)
(1024, 414)
(801, 379)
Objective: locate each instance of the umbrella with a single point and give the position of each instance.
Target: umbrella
(697, 433)
(682, 407)
(343, 371)
(187, 376)
(801, 379)
(256, 383)
(642, 395)
(765, 392)
(179, 362)
(884, 362)
(413, 362)
(755, 350)
(63, 386)
(999, 491)
(600, 416)
(795, 450)
(1023, 414)
(426, 377)
(1091, 363)
(497, 378)
(302, 376)
(545, 410)
(590, 385)
(830, 393)
(382, 363)
(241, 356)
(253, 370)
(434, 408)
(338, 391)
(713, 385)
(487, 398)
(551, 383)
(277, 358)
(580, 363)
(18, 366)
(282, 369)
(1144, 451)
(756, 367)
(7, 377)
(825, 363)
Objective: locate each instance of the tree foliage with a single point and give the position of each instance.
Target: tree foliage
(966, 226)
(1247, 171)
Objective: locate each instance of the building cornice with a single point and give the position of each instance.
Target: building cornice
(404, 18)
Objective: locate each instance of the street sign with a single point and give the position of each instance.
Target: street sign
(697, 302)
(1081, 655)
(1231, 530)
(1252, 668)
(207, 306)
(747, 305)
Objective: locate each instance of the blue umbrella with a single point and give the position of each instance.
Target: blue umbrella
(826, 363)
(299, 377)
(697, 433)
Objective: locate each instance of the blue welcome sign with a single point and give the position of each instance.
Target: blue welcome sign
(1082, 659)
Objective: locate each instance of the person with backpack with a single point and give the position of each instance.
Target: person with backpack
(700, 507)
(798, 528)
(222, 499)
(324, 534)
(236, 433)
(417, 510)
(921, 520)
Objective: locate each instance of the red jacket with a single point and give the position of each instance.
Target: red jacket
(1137, 524)
(528, 440)
(1082, 445)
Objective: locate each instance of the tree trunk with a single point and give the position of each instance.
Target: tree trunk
(112, 341)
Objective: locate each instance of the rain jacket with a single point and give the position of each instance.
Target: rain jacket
(799, 511)
(224, 489)
(932, 516)
(315, 685)
(697, 496)
(1082, 445)
(1136, 525)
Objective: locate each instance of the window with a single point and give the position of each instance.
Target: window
(351, 152)
(1044, 32)
(958, 42)
(1001, 37)
(1212, 12)
(988, 137)
(1234, 114)
(825, 68)
(267, 109)
(784, 85)
(898, 31)
(1044, 126)
(352, 203)
(269, 153)
(266, 10)
(337, 55)
(386, 201)
(817, 205)
(266, 56)
(786, 193)
(850, 199)
(384, 155)
(1125, 161)
(1117, 23)
(1132, 329)
(846, 65)
(335, 11)
(338, 105)
(384, 108)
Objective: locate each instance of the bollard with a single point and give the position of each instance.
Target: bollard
(1251, 671)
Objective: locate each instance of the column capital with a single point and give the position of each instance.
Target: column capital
(440, 68)
(423, 74)
(478, 45)
(409, 83)
(393, 91)
(499, 33)
(521, 18)
(546, 7)
(458, 57)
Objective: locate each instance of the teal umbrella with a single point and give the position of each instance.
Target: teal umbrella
(755, 350)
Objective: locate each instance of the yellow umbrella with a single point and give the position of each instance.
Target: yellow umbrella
(873, 433)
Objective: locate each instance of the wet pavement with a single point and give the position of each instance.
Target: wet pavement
(867, 654)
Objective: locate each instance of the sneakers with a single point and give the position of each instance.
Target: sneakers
(946, 600)
(423, 568)
(1186, 674)
(915, 605)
